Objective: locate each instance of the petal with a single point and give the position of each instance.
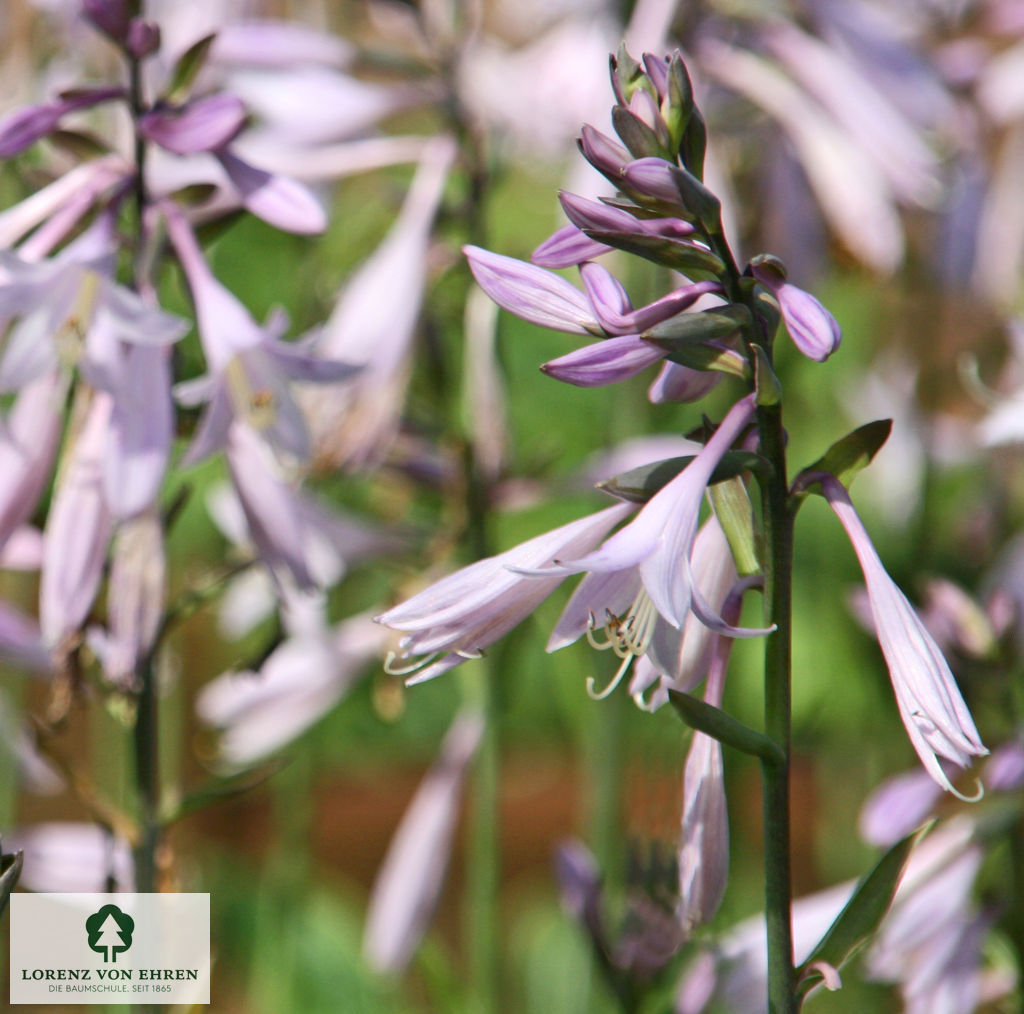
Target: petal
(531, 292)
(566, 248)
(278, 200)
(605, 362)
(203, 125)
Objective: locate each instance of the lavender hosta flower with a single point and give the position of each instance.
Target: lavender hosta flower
(21, 642)
(1004, 771)
(660, 539)
(269, 504)
(567, 247)
(63, 856)
(136, 596)
(373, 325)
(28, 446)
(459, 616)
(249, 367)
(704, 839)
(23, 128)
(675, 383)
(813, 329)
(330, 541)
(933, 712)
(665, 657)
(78, 529)
(257, 713)
(900, 804)
(409, 882)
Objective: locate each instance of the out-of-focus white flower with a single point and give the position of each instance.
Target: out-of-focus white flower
(73, 858)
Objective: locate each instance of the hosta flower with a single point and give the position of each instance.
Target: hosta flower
(409, 883)
(813, 329)
(660, 540)
(614, 612)
(250, 367)
(933, 712)
(466, 612)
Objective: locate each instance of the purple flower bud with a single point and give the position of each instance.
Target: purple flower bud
(605, 362)
(813, 329)
(204, 125)
(567, 248)
(112, 17)
(26, 126)
(675, 383)
(143, 38)
(597, 217)
(603, 153)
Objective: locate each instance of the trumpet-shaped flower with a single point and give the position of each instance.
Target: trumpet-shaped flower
(660, 540)
(665, 656)
(249, 366)
(465, 612)
(933, 712)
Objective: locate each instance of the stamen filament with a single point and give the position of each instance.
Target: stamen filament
(392, 670)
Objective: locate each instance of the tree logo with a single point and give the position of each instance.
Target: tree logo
(110, 931)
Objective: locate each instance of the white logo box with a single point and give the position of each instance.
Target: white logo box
(110, 948)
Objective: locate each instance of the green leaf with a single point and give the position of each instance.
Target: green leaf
(766, 383)
(736, 516)
(187, 69)
(10, 870)
(719, 725)
(702, 326)
(707, 356)
(863, 912)
(679, 107)
(641, 141)
(846, 457)
(638, 485)
(696, 262)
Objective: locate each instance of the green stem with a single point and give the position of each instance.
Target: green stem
(778, 525)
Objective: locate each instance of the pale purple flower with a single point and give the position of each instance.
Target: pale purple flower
(459, 616)
(305, 677)
(78, 529)
(813, 329)
(567, 247)
(282, 202)
(28, 446)
(665, 657)
(21, 643)
(1004, 771)
(606, 362)
(704, 838)
(675, 383)
(933, 712)
(373, 324)
(249, 367)
(206, 124)
(898, 806)
(136, 596)
(410, 879)
(28, 125)
(660, 539)
(533, 293)
(62, 856)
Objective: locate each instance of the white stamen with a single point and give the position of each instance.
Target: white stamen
(392, 670)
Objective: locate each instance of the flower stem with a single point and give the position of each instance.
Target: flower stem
(778, 525)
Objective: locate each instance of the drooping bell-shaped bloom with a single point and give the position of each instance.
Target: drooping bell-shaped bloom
(249, 367)
(933, 712)
(458, 617)
(665, 657)
(704, 838)
(660, 539)
(373, 325)
(136, 597)
(257, 713)
(77, 531)
(410, 879)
